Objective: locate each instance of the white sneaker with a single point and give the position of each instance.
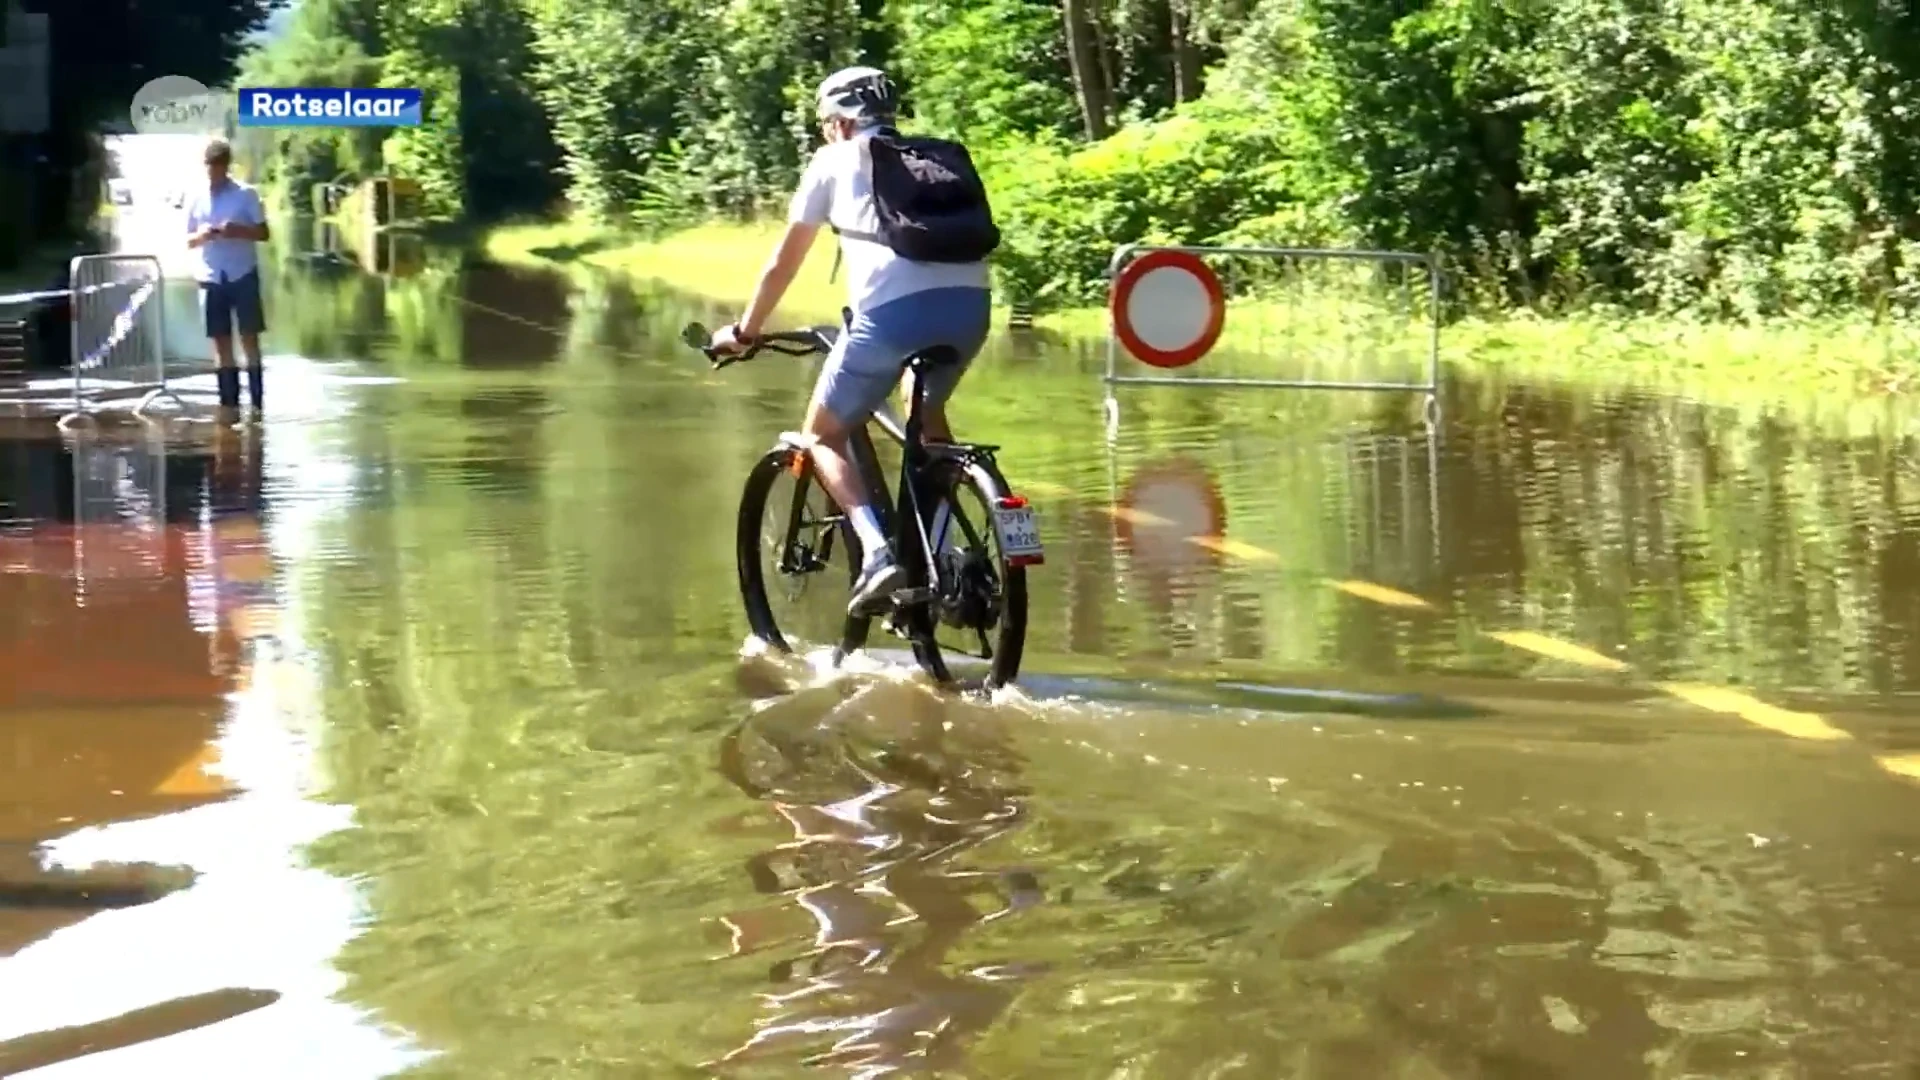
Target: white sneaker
(874, 588)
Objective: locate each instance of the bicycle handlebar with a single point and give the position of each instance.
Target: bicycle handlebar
(813, 339)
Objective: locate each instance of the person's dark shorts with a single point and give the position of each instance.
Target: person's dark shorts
(233, 307)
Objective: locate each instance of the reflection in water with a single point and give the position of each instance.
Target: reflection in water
(888, 793)
(46, 1048)
(385, 294)
(1297, 815)
(103, 681)
(236, 603)
(147, 889)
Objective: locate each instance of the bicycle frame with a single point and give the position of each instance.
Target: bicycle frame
(906, 503)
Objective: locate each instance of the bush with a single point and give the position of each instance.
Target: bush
(1215, 171)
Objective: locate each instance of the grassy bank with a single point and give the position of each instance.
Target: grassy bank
(1779, 361)
(717, 262)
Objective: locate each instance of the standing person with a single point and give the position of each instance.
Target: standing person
(224, 222)
(916, 230)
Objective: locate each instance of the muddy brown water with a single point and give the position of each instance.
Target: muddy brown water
(416, 732)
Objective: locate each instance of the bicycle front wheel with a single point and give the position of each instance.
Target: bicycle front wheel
(797, 557)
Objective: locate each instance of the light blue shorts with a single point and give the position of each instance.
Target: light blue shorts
(865, 364)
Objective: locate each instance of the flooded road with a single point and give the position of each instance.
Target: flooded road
(415, 733)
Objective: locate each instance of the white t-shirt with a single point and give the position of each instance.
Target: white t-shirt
(837, 189)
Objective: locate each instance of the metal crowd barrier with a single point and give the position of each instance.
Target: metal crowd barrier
(119, 334)
(1301, 318)
(119, 516)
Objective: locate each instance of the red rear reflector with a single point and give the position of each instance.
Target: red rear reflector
(1012, 502)
(1027, 560)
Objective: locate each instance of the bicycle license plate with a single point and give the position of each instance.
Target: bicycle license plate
(1019, 533)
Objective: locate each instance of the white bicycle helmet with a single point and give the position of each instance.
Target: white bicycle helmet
(860, 94)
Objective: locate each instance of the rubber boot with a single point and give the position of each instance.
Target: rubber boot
(229, 388)
(256, 388)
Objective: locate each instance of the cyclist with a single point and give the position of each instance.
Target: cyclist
(899, 306)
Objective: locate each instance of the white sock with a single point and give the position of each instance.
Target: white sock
(866, 525)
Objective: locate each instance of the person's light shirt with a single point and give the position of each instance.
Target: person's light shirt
(225, 259)
(837, 190)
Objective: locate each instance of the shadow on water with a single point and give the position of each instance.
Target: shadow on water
(1562, 743)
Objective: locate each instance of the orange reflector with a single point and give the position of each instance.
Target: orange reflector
(1012, 502)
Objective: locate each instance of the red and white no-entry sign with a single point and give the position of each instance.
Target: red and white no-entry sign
(1167, 308)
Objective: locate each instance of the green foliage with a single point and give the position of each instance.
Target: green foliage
(1216, 171)
(989, 68)
(509, 154)
(326, 43)
(598, 94)
(1735, 159)
(747, 109)
(424, 42)
(1729, 159)
(483, 148)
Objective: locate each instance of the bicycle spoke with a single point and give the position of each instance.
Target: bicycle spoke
(968, 550)
(798, 555)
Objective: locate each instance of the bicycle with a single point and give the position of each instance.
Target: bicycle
(968, 588)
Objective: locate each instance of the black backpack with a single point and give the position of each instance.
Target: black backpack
(930, 201)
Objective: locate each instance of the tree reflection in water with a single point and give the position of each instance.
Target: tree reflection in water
(888, 792)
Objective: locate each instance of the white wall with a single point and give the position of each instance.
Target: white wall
(155, 167)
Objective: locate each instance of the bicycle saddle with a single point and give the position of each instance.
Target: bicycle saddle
(938, 356)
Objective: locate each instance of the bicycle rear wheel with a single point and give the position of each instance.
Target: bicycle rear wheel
(797, 557)
(981, 607)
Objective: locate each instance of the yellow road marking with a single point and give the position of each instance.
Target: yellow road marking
(1907, 765)
(1234, 548)
(1799, 725)
(1042, 487)
(1556, 649)
(1380, 594)
(1137, 517)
